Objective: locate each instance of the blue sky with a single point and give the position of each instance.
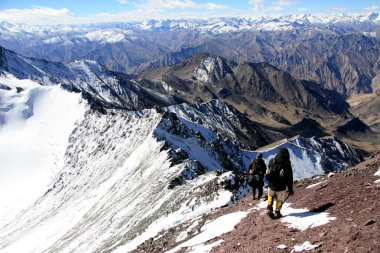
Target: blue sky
(82, 11)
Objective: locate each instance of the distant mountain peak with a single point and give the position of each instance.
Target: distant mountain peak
(213, 68)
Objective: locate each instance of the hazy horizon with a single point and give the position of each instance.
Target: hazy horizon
(45, 12)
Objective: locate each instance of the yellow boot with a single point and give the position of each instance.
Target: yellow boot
(277, 213)
(270, 206)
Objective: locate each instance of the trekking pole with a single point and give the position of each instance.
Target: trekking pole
(284, 201)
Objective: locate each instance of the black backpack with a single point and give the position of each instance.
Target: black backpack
(254, 169)
(274, 170)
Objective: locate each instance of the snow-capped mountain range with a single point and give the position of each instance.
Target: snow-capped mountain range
(130, 31)
(118, 31)
(339, 52)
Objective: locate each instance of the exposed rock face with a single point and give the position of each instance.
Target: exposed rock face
(231, 124)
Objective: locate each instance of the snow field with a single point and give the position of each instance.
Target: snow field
(35, 124)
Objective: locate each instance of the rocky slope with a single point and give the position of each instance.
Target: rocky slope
(325, 215)
(345, 62)
(367, 109)
(208, 77)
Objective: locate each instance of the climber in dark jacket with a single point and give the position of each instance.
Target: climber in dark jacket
(256, 179)
(279, 176)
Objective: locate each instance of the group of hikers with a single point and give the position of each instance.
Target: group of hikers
(279, 176)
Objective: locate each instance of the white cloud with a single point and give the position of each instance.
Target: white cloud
(340, 8)
(213, 6)
(256, 4)
(371, 8)
(275, 8)
(123, 1)
(36, 15)
(302, 9)
(284, 3)
(177, 4)
(280, 4)
(146, 9)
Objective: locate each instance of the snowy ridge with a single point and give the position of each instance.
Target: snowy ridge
(128, 176)
(103, 87)
(125, 182)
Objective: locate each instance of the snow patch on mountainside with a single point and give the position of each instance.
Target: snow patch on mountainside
(210, 230)
(107, 36)
(178, 217)
(305, 246)
(303, 219)
(35, 124)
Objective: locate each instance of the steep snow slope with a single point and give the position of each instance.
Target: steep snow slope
(113, 184)
(127, 176)
(35, 124)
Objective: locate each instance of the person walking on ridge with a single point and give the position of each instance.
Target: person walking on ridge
(256, 172)
(279, 176)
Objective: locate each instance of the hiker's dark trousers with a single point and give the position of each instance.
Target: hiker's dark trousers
(257, 186)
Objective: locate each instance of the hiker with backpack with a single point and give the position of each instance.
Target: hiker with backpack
(279, 176)
(256, 172)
